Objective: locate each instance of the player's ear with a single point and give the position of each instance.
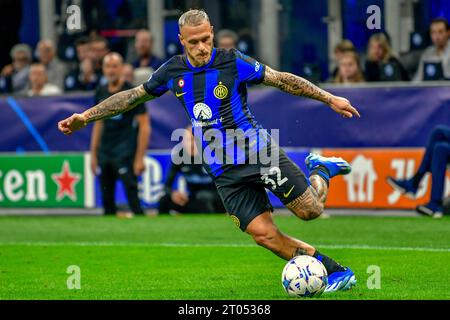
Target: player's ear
(180, 37)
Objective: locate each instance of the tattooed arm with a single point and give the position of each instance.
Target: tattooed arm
(299, 86)
(117, 103)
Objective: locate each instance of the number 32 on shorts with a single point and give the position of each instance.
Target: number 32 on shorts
(278, 182)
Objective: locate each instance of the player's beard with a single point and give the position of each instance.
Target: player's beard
(201, 60)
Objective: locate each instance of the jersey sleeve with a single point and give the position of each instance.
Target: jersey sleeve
(249, 70)
(156, 85)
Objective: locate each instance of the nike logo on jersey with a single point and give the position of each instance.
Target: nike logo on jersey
(287, 194)
(180, 94)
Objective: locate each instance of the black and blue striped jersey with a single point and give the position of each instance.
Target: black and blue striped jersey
(214, 96)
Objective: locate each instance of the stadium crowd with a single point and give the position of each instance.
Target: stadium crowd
(42, 72)
(380, 64)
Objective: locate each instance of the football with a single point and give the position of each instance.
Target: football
(304, 276)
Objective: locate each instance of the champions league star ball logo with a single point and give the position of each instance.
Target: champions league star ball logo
(202, 112)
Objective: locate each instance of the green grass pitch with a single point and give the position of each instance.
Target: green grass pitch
(207, 257)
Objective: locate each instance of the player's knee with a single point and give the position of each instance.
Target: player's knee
(266, 237)
(313, 213)
(309, 212)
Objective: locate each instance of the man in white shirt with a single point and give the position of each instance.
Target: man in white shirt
(439, 51)
(39, 85)
(56, 70)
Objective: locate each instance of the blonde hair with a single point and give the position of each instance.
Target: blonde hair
(344, 45)
(387, 51)
(359, 76)
(193, 17)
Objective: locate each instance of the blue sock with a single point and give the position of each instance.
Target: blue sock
(329, 264)
(441, 154)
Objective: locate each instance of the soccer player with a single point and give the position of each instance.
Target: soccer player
(435, 160)
(211, 84)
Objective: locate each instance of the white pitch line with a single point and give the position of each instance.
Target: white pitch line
(211, 245)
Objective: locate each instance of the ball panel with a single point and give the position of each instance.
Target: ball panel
(304, 276)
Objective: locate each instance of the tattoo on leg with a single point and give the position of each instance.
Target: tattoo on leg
(299, 252)
(308, 205)
(320, 186)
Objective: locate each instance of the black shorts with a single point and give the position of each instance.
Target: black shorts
(243, 188)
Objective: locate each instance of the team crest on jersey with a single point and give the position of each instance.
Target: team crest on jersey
(235, 220)
(202, 111)
(220, 91)
(181, 83)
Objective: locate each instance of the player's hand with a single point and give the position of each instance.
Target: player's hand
(343, 107)
(72, 124)
(179, 198)
(138, 166)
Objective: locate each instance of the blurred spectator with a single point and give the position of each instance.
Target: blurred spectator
(349, 68)
(83, 48)
(39, 85)
(202, 196)
(439, 52)
(128, 73)
(381, 64)
(144, 48)
(56, 70)
(118, 144)
(14, 76)
(99, 49)
(227, 39)
(83, 77)
(10, 23)
(339, 49)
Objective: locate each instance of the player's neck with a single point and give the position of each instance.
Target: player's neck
(195, 64)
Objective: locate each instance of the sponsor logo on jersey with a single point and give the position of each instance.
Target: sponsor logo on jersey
(202, 111)
(257, 66)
